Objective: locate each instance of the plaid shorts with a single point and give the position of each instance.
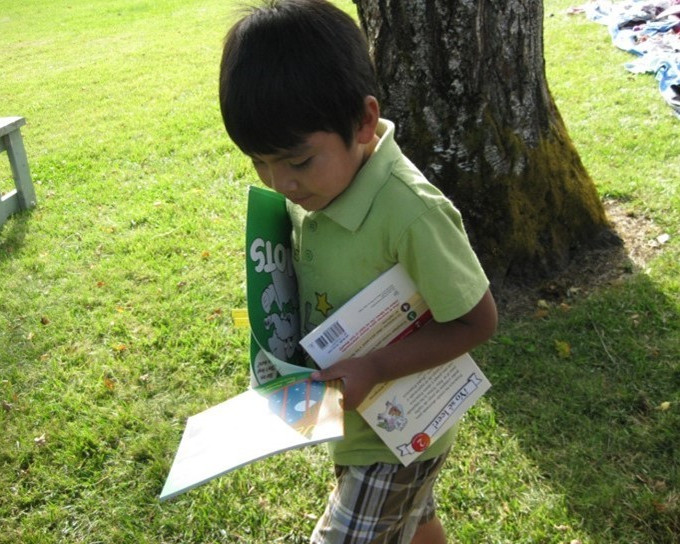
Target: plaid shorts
(378, 504)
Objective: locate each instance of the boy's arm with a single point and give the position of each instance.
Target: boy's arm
(434, 344)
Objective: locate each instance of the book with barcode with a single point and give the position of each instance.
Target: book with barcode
(411, 413)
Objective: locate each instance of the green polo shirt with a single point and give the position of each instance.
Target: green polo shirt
(390, 213)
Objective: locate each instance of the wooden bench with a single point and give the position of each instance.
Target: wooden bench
(22, 196)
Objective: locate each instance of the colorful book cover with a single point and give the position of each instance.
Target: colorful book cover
(287, 413)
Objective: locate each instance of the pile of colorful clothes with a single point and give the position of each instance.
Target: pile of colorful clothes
(650, 30)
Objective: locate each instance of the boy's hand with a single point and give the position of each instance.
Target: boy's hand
(358, 376)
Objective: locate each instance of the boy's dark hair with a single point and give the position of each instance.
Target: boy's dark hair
(290, 68)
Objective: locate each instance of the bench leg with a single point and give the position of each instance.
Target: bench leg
(22, 176)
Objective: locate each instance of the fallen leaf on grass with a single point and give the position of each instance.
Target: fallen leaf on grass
(217, 312)
(573, 291)
(660, 506)
(541, 314)
(659, 485)
(45, 320)
(109, 383)
(563, 349)
(664, 406)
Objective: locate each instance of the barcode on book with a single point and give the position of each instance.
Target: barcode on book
(331, 335)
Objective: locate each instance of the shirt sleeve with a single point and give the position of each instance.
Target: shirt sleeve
(436, 251)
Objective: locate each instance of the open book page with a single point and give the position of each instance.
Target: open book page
(289, 412)
(411, 413)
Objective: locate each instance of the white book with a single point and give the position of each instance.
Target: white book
(411, 413)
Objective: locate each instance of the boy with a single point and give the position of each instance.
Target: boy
(297, 94)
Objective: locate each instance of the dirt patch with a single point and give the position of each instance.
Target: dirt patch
(589, 270)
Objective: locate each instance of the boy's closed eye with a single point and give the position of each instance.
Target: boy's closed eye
(302, 164)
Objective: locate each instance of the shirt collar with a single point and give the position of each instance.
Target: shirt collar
(351, 208)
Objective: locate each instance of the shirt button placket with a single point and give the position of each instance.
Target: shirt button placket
(311, 226)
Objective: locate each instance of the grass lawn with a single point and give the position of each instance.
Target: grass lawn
(116, 294)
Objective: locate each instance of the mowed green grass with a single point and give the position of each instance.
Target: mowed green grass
(116, 295)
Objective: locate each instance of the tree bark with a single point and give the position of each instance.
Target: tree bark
(465, 83)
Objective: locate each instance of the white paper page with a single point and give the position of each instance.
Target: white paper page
(236, 432)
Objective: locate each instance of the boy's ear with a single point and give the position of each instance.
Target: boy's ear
(369, 122)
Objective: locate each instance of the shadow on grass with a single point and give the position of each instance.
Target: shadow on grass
(591, 393)
(13, 233)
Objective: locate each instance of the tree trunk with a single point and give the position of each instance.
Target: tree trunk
(465, 83)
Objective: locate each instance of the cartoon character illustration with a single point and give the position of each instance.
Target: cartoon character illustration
(285, 325)
(280, 291)
(284, 340)
(393, 417)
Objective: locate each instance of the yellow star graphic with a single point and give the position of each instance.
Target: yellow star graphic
(322, 304)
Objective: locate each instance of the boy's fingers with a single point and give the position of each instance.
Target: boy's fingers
(321, 376)
(326, 375)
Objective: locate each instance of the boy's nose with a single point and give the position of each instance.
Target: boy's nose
(282, 180)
